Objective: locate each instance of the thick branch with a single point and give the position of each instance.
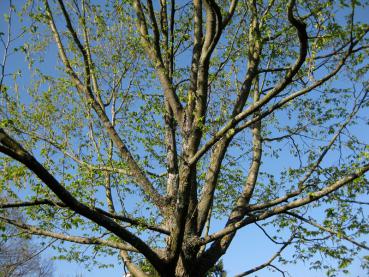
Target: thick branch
(239, 210)
(169, 92)
(230, 13)
(13, 149)
(237, 114)
(220, 150)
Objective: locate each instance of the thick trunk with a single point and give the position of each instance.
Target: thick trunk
(187, 267)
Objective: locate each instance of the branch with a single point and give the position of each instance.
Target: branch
(169, 119)
(254, 53)
(267, 235)
(196, 53)
(335, 233)
(276, 268)
(228, 130)
(133, 221)
(315, 165)
(137, 173)
(76, 239)
(31, 203)
(239, 208)
(219, 152)
(136, 271)
(10, 147)
(314, 196)
(353, 201)
(213, 30)
(169, 92)
(300, 27)
(156, 33)
(269, 262)
(230, 13)
(73, 156)
(88, 59)
(79, 44)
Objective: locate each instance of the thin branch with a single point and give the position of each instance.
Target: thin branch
(229, 129)
(158, 63)
(137, 173)
(76, 239)
(267, 235)
(314, 166)
(276, 268)
(269, 262)
(313, 196)
(335, 233)
(133, 221)
(353, 201)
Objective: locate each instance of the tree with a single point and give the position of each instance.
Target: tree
(138, 122)
(19, 256)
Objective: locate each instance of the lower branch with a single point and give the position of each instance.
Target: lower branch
(76, 239)
(130, 220)
(13, 149)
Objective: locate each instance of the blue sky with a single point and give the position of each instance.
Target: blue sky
(249, 248)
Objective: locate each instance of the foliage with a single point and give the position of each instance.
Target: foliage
(134, 127)
(217, 270)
